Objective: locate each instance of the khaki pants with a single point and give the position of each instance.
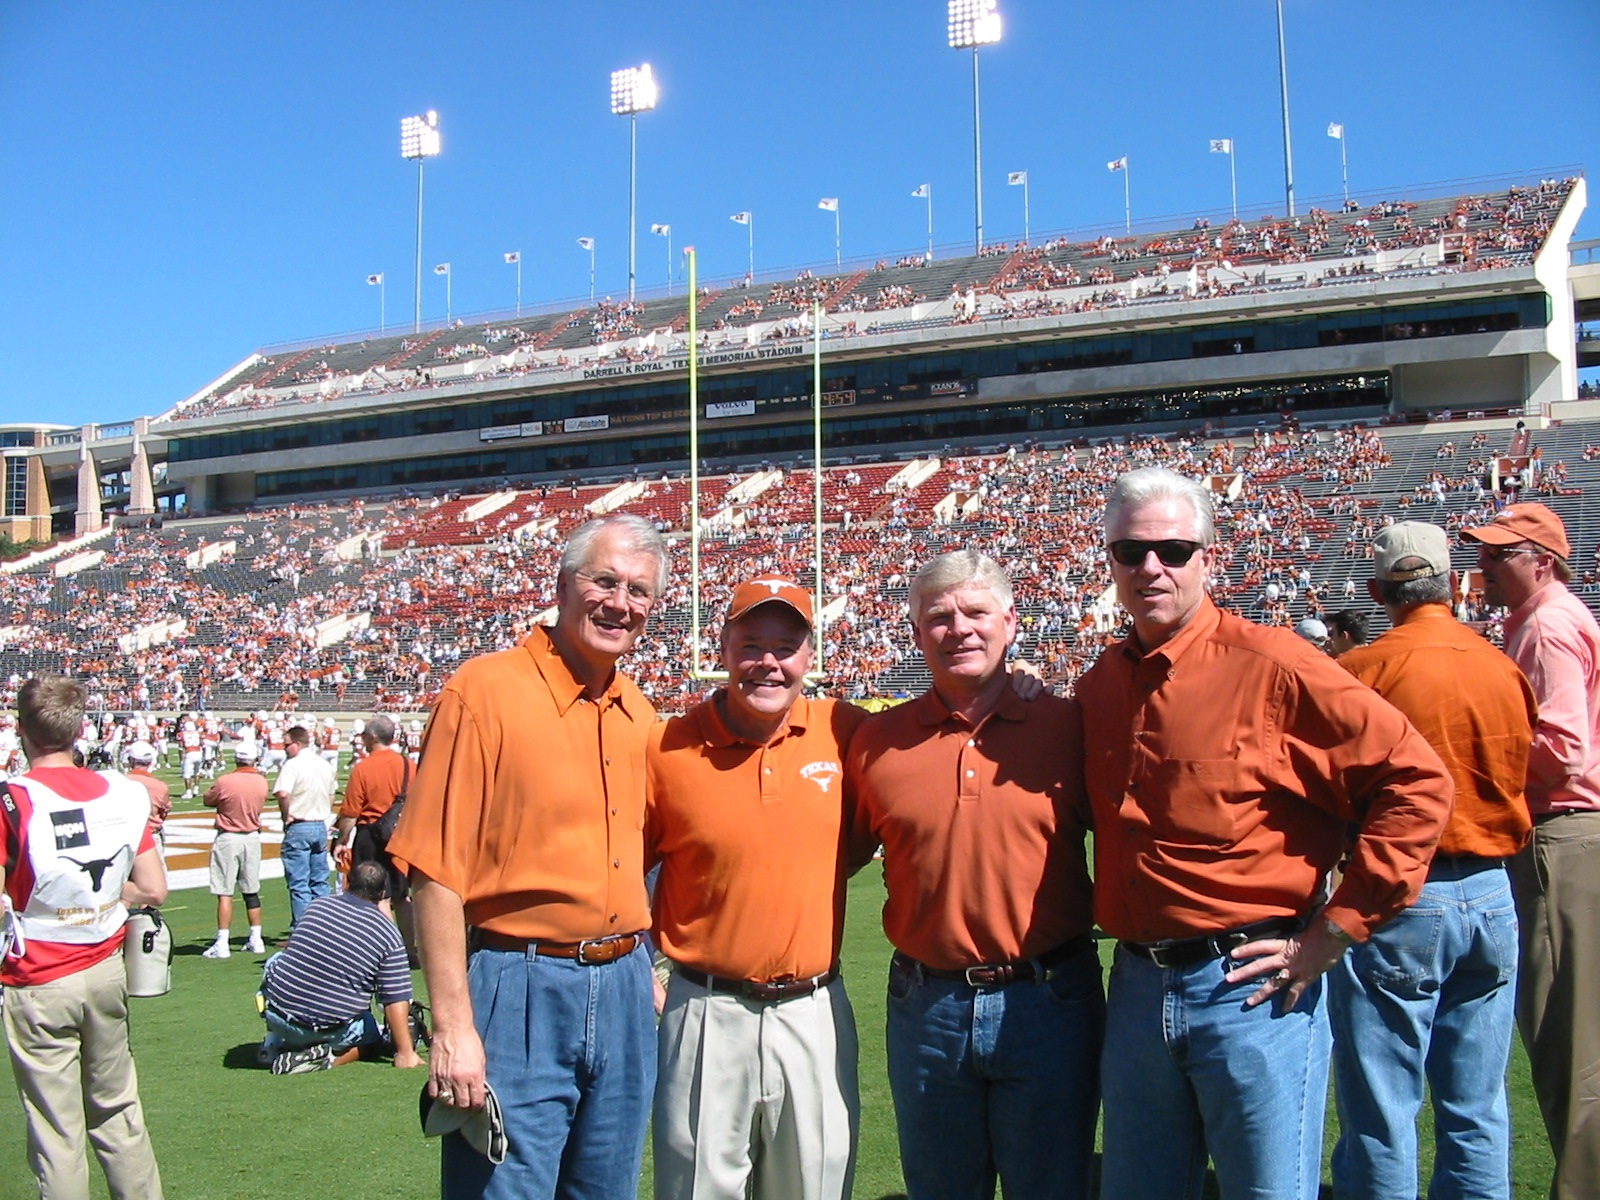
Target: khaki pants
(74, 1071)
(1557, 884)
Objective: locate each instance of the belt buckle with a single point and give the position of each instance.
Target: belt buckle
(582, 956)
(751, 990)
(1157, 954)
(982, 977)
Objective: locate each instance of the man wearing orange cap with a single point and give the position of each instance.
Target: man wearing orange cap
(1524, 555)
(756, 1086)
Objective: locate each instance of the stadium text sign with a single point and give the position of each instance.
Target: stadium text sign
(681, 362)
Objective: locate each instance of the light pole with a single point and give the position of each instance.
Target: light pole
(444, 269)
(633, 91)
(514, 257)
(666, 232)
(588, 244)
(748, 220)
(377, 282)
(971, 24)
(419, 139)
(1283, 81)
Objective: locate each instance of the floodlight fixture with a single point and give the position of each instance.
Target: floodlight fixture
(419, 136)
(633, 90)
(972, 24)
(419, 141)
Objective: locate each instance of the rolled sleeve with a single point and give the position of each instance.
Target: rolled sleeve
(448, 792)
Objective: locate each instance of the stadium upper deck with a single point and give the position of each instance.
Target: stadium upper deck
(1396, 307)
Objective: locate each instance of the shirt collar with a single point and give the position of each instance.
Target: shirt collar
(1204, 622)
(931, 709)
(716, 734)
(565, 687)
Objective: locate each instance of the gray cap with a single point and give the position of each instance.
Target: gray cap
(1410, 540)
(1313, 630)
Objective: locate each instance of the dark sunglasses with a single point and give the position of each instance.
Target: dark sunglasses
(1173, 552)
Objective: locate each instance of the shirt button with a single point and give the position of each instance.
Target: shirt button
(970, 774)
(613, 812)
(616, 862)
(608, 762)
(766, 770)
(613, 918)
(972, 741)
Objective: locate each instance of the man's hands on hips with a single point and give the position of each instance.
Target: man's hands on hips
(1287, 966)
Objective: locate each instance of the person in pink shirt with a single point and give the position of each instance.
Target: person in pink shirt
(1554, 639)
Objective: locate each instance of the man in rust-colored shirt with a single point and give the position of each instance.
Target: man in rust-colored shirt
(757, 1089)
(375, 783)
(239, 796)
(995, 1001)
(1430, 997)
(1226, 764)
(523, 833)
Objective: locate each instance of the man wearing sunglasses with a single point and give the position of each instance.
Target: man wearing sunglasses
(1553, 638)
(1226, 766)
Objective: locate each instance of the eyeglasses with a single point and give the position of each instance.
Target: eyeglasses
(1173, 552)
(1499, 553)
(609, 585)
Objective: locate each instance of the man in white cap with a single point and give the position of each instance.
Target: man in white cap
(239, 796)
(1524, 554)
(756, 1089)
(1430, 997)
(141, 758)
(1313, 631)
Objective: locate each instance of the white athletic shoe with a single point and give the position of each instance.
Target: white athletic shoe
(255, 946)
(216, 950)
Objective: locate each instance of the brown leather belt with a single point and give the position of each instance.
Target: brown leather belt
(771, 991)
(1000, 974)
(595, 952)
(1185, 952)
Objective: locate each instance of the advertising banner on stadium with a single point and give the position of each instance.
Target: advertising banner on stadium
(497, 433)
(730, 408)
(586, 424)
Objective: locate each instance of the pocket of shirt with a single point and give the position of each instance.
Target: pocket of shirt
(1197, 801)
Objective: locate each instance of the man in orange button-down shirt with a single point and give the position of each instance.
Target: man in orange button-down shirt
(523, 833)
(995, 1002)
(756, 1094)
(1226, 764)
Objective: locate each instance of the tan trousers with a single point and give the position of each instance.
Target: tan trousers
(1557, 885)
(69, 1052)
(755, 1099)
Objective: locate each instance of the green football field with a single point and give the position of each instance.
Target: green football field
(226, 1130)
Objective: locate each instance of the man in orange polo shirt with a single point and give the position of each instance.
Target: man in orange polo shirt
(1430, 997)
(995, 1002)
(1227, 765)
(523, 833)
(756, 1091)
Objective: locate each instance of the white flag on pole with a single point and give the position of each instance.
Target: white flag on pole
(740, 218)
(922, 191)
(442, 269)
(1222, 145)
(1118, 164)
(661, 230)
(586, 242)
(829, 204)
(374, 280)
(514, 256)
(1017, 178)
(1336, 130)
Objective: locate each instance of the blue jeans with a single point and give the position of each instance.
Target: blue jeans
(305, 864)
(1189, 1072)
(1431, 997)
(572, 1056)
(996, 1080)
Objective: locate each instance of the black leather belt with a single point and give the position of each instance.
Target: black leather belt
(773, 990)
(592, 953)
(999, 974)
(1185, 952)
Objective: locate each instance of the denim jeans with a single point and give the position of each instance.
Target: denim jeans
(1189, 1073)
(1429, 998)
(996, 1080)
(305, 864)
(572, 1057)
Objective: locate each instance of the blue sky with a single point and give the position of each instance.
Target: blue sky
(182, 184)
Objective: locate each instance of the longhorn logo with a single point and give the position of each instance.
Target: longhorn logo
(96, 868)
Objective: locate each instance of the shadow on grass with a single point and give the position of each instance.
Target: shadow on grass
(242, 1058)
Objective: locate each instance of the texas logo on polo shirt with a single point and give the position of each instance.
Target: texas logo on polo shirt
(821, 773)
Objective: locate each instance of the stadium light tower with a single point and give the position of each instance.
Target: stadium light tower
(633, 91)
(971, 24)
(419, 139)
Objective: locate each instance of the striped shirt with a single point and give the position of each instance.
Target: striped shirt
(343, 952)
